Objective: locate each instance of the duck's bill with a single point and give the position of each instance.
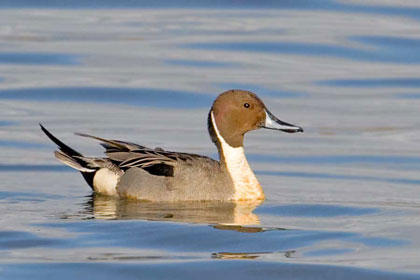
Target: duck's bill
(271, 122)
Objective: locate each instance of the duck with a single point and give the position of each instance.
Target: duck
(137, 172)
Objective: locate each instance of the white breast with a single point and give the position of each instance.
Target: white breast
(105, 182)
(245, 183)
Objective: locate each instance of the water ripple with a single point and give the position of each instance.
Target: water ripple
(263, 91)
(39, 58)
(34, 168)
(314, 5)
(8, 123)
(340, 177)
(205, 270)
(26, 196)
(145, 97)
(394, 161)
(20, 240)
(21, 144)
(409, 95)
(202, 238)
(374, 83)
(314, 210)
(382, 52)
(300, 4)
(199, 63)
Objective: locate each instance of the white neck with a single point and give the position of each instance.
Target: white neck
(245, 183)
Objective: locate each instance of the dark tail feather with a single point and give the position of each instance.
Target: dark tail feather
(72, 158)
(63, 147)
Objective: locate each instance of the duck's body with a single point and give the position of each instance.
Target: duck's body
(134, 171)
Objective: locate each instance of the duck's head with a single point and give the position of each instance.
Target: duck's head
(235, 112)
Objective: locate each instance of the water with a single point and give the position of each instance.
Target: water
(343, 198)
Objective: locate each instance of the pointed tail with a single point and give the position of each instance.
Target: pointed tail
(63, 147)
(72, 158)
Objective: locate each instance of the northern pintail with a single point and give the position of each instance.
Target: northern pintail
(134, 171)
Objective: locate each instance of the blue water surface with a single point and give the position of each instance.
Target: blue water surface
(263, 91)
(39, 58)
(48, 232)
(224, 269)
(146, 97)
(8, 123)
(374, 83)
(392, 50)
(314, 210)
(22, 144)
(202, 238)
(199, 63)
(321, 5)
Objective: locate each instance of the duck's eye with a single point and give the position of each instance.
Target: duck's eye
(246, 105)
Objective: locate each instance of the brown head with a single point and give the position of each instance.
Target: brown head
(235, 112)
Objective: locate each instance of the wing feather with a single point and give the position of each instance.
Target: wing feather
(126, 155)
(156, 161)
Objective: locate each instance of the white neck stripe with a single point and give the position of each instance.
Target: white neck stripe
(245, 183)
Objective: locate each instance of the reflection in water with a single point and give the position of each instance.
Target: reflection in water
(239, 228)
(249, 256)
(231, 215)
(255, 255)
